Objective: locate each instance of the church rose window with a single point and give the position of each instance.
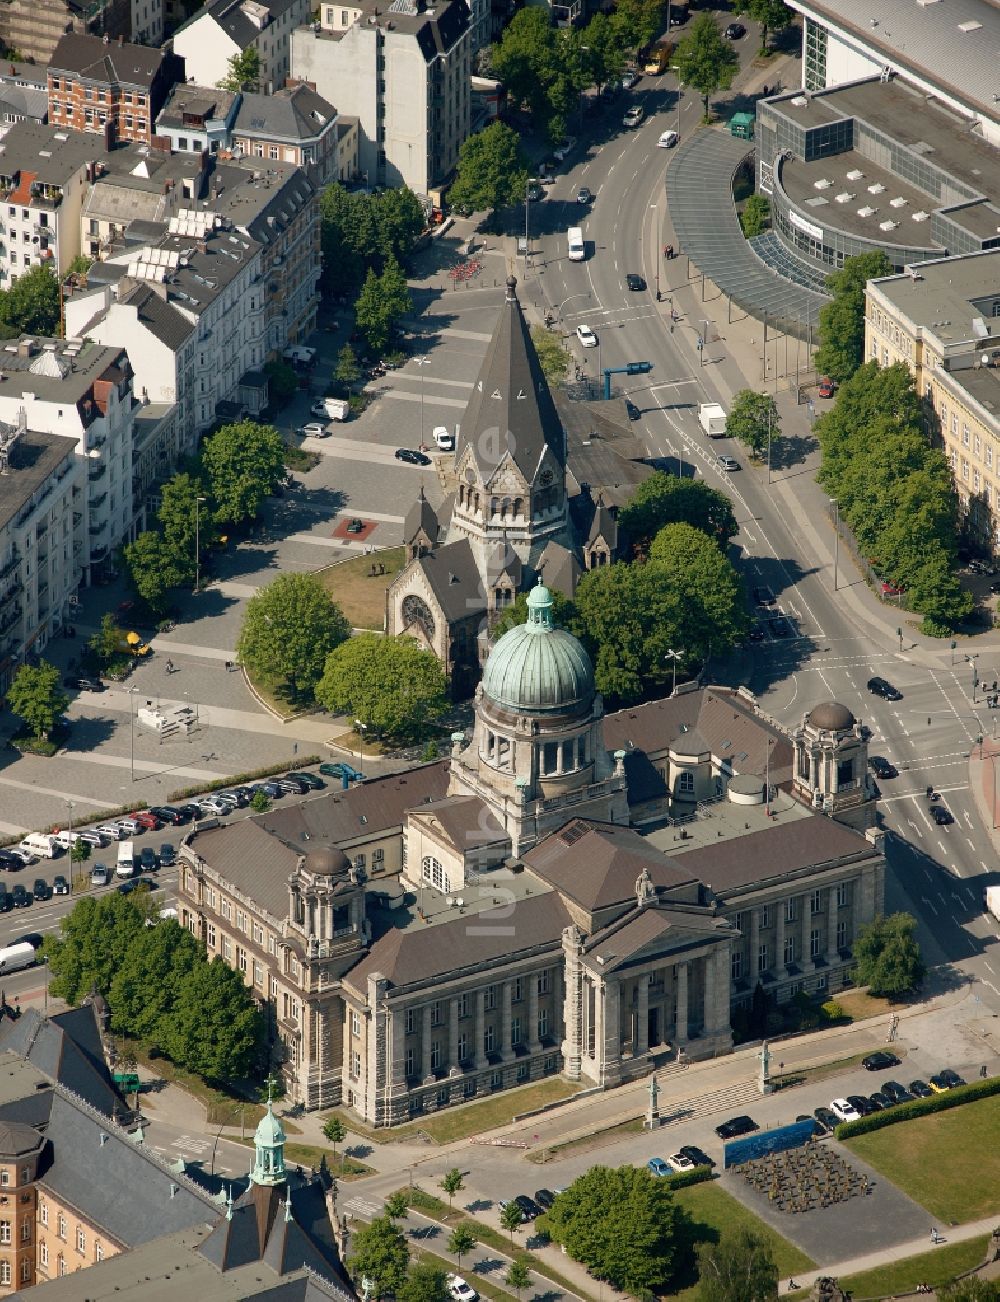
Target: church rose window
(416, 611)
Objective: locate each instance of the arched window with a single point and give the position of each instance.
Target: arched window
(518, 505)
(432, 873)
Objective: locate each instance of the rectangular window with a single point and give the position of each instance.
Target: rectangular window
(543, 983)
(436, 1018)
(842, 898)
(515, 1032)
(355, 1064)
(258, 974)
(789, 949)
(210, 935)
(409, 1020)
(543, 1022)
(378, 855)
(81, 1239)
(463, 1047)
(490, 998)
(4, 1231)
(789, 910)
(43, 1211)
(517, 992)
(25, 1271)
(435, 1055)
(227, 949)
(410, 1062)
(43, 1254)
(736, 965)
(355, 1023)
(226, 909)
(463, 1004)
(489, 1039)
(841, 935)
(814, 949)
(98, 1250)
(816, 902)
(4, 1272)
(25, 1231)
(765, 916)
(762, 959)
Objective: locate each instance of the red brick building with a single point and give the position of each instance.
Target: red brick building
(112, 89)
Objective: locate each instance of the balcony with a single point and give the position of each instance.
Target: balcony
(12, 617)
(98, 501)
(97, 474)
(10, 566)
(95, 529)
(16, 587)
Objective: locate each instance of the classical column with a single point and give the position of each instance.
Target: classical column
(480, 1027)
(807, 918)
(425, 1042)
(708, 990)
(610, 1046)
(453, 1063)
(532, 1036)
(682, 1003)
(779, 936)
(754, 966)
(642, 1016)
(505, 1021)
(832, 920)
(572, 1000)
(398, 1049)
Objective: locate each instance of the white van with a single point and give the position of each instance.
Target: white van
(126, 859)
(443, 438)
(66, 839)
(15, 957)
(42, 844)
(577, 248)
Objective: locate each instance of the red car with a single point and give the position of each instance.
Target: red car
(147, 820)
(827, 388)
(890, 590)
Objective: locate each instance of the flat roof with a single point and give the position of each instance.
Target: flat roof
(60, 370)
(945, 296)
(826, 190)
(33, 459)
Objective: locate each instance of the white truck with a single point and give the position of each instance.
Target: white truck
(337, 408)
(712, 418)
(991, 898)
(15, 957)
(126, 859)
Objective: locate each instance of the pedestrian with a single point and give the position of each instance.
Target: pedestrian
(295, 748)
(982, 1072)
(934, 1234)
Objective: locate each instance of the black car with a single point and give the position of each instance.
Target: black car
(84, 684)
(60, 886)
(192, 811)
(678, 15)
(169, 814)
(941, 815)
(880, 1061)
(949, 1078)
(40, 889)
(779, 626)
(635, 282)
(696, 1155)
(735, 32)
(995, 586)
(882, 768)
(863, 1106)
(756, 633)
(544, 1198)
(33, 938)
(879, 687)
(827, 1121)
(763, 596)
(920, 1089)
(147, 859)
(736, 1126)
(168, 855)
(10, 862)
(310, 779)
(898, 1093)
(6, 900)
(295, 782)
(136, 884)
(881, 1100)
(412, 457)
(585, 195)
(631, 410)
(529, 1208)
(21, 897)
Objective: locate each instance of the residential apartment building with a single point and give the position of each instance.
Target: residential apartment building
(148, 21)
(941, 319)
(223, 28)
(294, 125)
(23, 95)
(404, 71)
(35, 27)
(198, 119)
(110, 88)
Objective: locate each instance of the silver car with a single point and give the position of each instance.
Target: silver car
(93, 838)
(113, 830)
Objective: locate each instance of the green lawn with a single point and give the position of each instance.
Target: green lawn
(934, 1268)
(932, 1159)
(713, 1212)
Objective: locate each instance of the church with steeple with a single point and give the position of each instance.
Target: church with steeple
(507, 523)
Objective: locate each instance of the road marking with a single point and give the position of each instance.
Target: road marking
(972, 845)
(929, 905)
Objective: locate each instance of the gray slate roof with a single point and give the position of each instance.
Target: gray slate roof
(454, 579)
(256, 863)
(421, 515)
(511, 409)
(93, 60)
(161, 318)
(67, 1050)
(290, 114)
(669, 930)
(465, 821)
(34, 458)
(230, 17)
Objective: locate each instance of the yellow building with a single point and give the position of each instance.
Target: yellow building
(942, 320)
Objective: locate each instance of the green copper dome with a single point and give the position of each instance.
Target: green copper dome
(536, 668)
(269, 1146)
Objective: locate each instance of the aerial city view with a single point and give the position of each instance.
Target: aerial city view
(499, 650)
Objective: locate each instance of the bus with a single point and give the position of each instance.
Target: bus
(577, 248)
(658, 57)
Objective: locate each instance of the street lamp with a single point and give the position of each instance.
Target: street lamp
(70, 806)
(770, 416)
(362, 729)
(421, 362)
(971, 660)
(674, 656)
(527, 210)
(836, 539)
(131, 730)
(197, 541)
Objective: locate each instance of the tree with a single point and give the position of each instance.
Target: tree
(92, 943)
(511, 1218)
(663, 499)
(244, 71)
(871, 393)
(773, 16)
(704, 60)
(492, 171)
(399, 222)
(80, 265)
(380, 1254)
(518, 1276)
(527, 62)
(244, 463)
(425, 1283)
(887, 957)
(755, 216)
(753, 419)
(31, 305)
(334, 1131)
(739, 1268)
(710, 592)
(260, 801)
(622, 1224)
(143, 991)
(637, 22)
(104, 643)
(154, 567)
(396, 1205)
(603, 43)
(289, 629)
(451, 1182)
(563, 613)
(842, 320)
(461, 1241)
(347, 371)
(391, 684)
(183, 518)
(935, 591)
(553, 358)
(383, 301)
(36, 697)
(215, 1028)
(283, 382)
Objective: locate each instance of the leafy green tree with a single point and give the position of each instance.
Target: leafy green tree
(638, 22)
(492, 171)
(244, 71)
(335, 1132)
(339, 212)
(215, 1028)
(182, 516)
(870, 394)
(289, 629)
(283, 382)
(153, 968)
(756, 214)
(260, 802)
(622, 1224)
(347, 371)
(390, 683)
(92, 942)
(36, 697)
(887, 957)
(740, 1267)
(603, 43)
(704, 60)
(80, 265)
(664, 499)
(936, 592)
(31, 305)
(104, 643)
(399, 223)
(773, 16)
(244, 463)
(527, 62)
(714, 612)
(553, 358)
(461, 1241)
(451, 1182)
(563, 613)
(753, 419)
(154, 567)
(842, 320)
(396, 1205)
(359, 231)
(425, 1283)
(371, 314)
(380, 1253)
(518, 1276)
(511, 1218)
(395, 291)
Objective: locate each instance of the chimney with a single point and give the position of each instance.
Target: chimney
(25, 347)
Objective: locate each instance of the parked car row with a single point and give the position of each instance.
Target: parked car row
(686, 1158)
(891, 1093)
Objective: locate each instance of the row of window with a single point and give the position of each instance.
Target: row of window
(464, 1044)
(6, 1275)
(791, 951)
(91, 92)
(465, 1002)
(765, 918)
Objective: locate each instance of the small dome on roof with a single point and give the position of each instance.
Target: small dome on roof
(831, 716)
(326, 861)
(537, 668)
(269, 1133)
(17, 1139)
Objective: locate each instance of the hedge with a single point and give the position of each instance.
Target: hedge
(90, 820)
(238, 779)
(681, 1179)
(979, 1089)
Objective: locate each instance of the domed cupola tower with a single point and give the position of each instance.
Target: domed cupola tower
(830, 771)
(510, 463)
(537, 756)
